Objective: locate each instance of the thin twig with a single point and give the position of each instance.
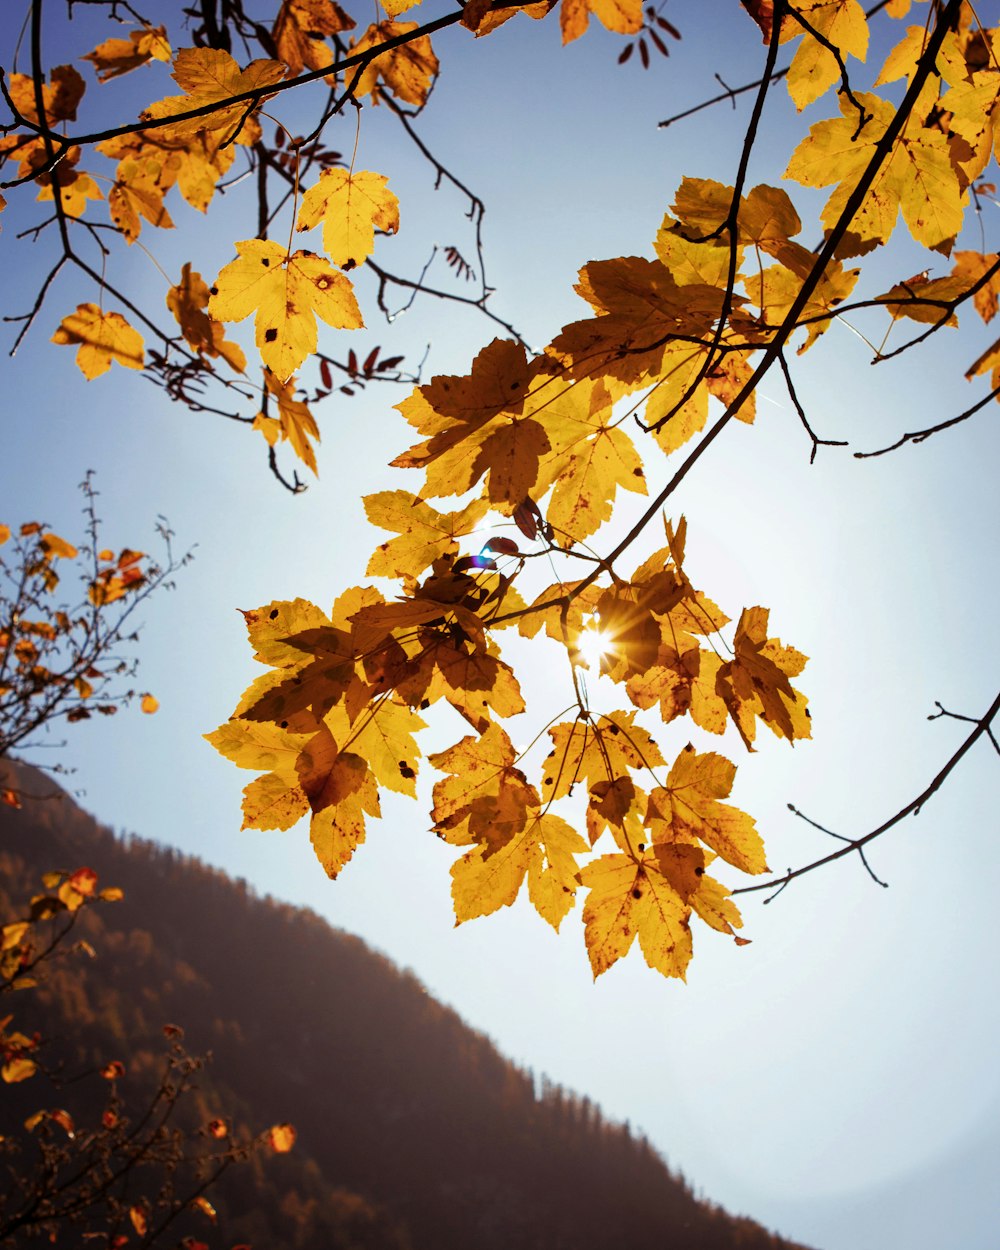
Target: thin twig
(851, 845)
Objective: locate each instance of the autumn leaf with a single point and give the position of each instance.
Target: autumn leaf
(300, 30)
(479, 17)
(338, 829)
(295, 422)
(486, 797)
(202, 1204)
(286, 293)
(918, 179)
(136, 194)
(596, 751)
(779, 287)
(973, 101)
(60, 96)
(188, 301)
(488, 878)
(209, 77)
(422, 533)
(688, 804)
(624, 17)
(634, 898)
(281, 1138)
(351, 206)
(587, 476)
(149, 704)
(272, 802)
(906, 299)
(814, 69)
(970, 268)
(406, 71)
(75, 186)
(18, 1068)
(115, 57)
(384, 736)
(54, 546)
(155, 162)
(755, 683)
(639, 309)
(102, 338)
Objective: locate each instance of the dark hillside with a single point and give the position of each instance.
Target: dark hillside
(413, 1130)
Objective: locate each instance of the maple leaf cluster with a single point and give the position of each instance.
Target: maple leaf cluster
(334, 721)
(546, 445)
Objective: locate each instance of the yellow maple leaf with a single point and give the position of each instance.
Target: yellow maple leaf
(913, 291)
(918, 178)
(478, 16)
(779, 285)
(688, 804)
(814, 67)
(300, 30)
(337, 830)
(756, 682)
(350, 205)
(271, 801)
(188, 301)
(407, 71)
(287, 293)
(210, 77)
(137, 193)
(295, 422)
(383, 735)
(115, 57)
(328, 776)
(423, 534)
(102, 338)
(60, 96)
(975, 113)
(632, 898)
(486, 796)
(587, 477)
(487, 878)
(970, 267)
(460, 414)
(639, 309)
(260, 745)
(624, 17)
(195, 163)
(76, 186)
(596, 752)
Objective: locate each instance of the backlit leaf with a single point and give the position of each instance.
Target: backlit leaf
(406, 71)
(209, 77)
(101, 338)
(115, 57)
(351, 206)
(286, 293)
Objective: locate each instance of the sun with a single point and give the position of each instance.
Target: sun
(592, 645)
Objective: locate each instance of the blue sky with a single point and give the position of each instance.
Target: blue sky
(837, 1078)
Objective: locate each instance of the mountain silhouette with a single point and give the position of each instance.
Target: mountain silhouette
(414, 1132)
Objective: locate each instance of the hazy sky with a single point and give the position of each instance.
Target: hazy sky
(836, 1079)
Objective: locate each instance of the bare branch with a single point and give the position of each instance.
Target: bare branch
(852, 845)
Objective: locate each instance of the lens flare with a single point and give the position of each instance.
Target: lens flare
(592, 646)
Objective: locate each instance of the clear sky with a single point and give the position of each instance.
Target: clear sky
(836, 1079)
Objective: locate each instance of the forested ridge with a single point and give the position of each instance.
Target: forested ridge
(413, 1131)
